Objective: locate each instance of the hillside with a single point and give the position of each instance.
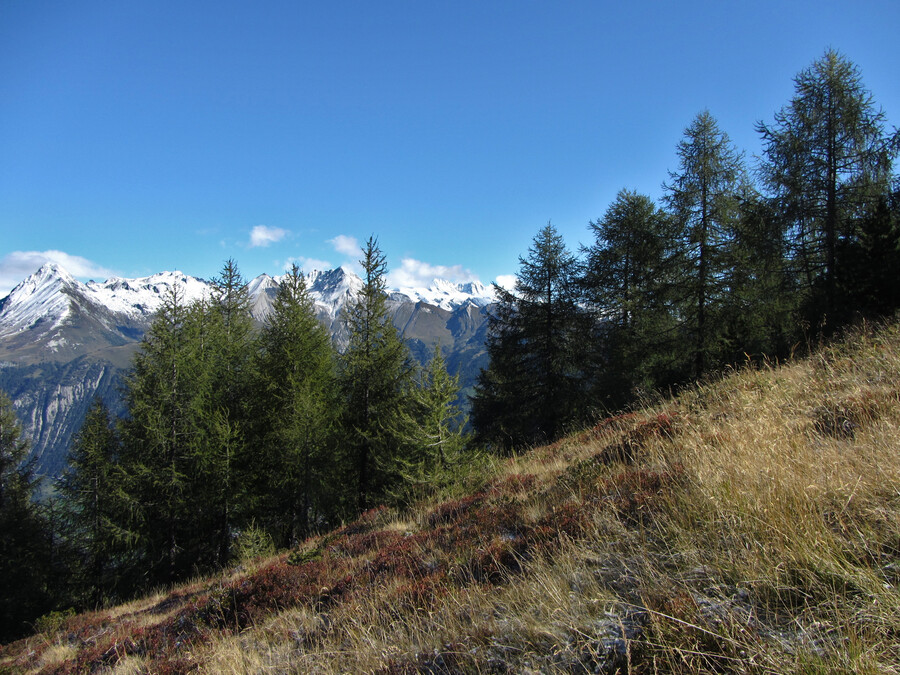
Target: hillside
(750, 525)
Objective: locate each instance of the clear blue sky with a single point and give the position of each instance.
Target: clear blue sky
(144, 136)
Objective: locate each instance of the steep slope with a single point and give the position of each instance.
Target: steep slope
(62, 342)
(751, 525)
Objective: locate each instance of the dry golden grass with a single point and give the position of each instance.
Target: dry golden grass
(751, 525)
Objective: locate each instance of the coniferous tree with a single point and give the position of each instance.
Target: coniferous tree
(703, 199)
(298, 409)
(440, 419)
(227, 361)
(828, 161)
(435, 428)
(24, 551)
(533, 387)
(761, 304)
(873, 263)
(375, 373)
(498, 417)
(161, 438)
(93, 487)
(627, 284)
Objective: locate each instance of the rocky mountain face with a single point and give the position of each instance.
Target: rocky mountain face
(63, 342)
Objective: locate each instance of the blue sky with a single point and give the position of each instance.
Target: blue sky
(137, 137)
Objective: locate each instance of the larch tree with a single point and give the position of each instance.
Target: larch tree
(627, 286)
(827, 163)
(94, 489)
(533, 386)
(375, 374)
(24, 550)
(298, 408)
(434, 427)
(161, 439)
(703, 196)
(227, 363)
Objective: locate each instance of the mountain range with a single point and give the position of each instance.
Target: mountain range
(63, 342)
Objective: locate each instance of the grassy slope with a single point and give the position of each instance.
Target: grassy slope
(751, 525)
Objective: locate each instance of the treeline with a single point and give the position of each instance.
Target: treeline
(236, 440)
(732, 265)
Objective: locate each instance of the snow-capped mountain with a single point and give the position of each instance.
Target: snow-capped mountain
(44, 297)
(330, 291)
(447, 295)
(51, 296)
(62, 341)
(39, 309)
(141, 298)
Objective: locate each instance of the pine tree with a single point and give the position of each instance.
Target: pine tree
(24, 550)
(626, 280)
(297, 410)
(828, 160)
(533, 386)
(703, 199)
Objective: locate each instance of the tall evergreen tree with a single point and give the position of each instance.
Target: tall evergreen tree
(24, 552)
(161, 435)
(627, 284)
(435, 428)
(498, 416)
(94, 488)
(874, 261)
(761, 304)
(227, 359)
(375, 373)
(703, 199)
(828, 161)
(533, 386)
(297, 408)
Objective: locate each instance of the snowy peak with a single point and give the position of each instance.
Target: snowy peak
(261, 284)
(51, 296)
(477, 289)
(140, 298)
(44, 298)
(49, 279)
(51, 273)
(332, 288)
(446, 294)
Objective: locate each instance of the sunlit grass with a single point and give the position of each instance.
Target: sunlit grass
(751, 525)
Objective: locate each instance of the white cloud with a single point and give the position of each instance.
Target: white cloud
(416, 274)
(266, 236)
(15, 266)
(507, 281)
(307, 264)
(345, 245)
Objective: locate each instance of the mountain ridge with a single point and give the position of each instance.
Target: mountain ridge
(37, 297)
(63, 341)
